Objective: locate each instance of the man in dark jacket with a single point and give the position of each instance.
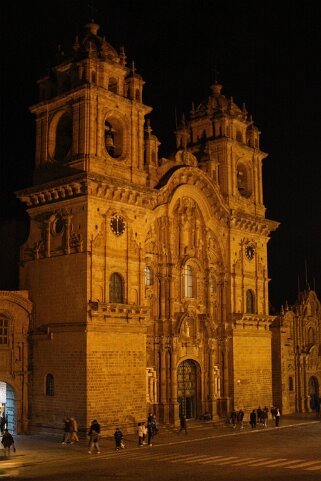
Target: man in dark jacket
(94, 437)
(7, 441)
(118, 435)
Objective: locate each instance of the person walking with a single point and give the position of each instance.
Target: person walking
(240, 416)
(265, 417)
(253, 419)
(140, 432)
(233, 418)
(118, 435)
(144, 428)
(277, 417)
(93, 434)
(67, 431)
(183, 424)
(7, 441)
(150, 433)
(74, 431)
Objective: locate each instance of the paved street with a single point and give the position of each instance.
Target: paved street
(209, 451)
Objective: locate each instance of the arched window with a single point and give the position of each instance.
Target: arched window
(188, 281)
(63, 137)
(4, 339)
(137, 95)
(148, 276)
(93, 77)
(311, 335)
(113, 85)
(50, 385)
(239, 136)
(250, 302)
(243, 181)
(290, 383)
(116, 288)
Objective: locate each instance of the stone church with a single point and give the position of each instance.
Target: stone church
(144, 280)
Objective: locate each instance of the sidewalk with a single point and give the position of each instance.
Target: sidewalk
(35, 449)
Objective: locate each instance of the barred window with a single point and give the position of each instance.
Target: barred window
(4, 331)
(188, 281)
(50, 385)
(148, 276)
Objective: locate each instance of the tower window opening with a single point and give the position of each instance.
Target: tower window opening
(290, 383)
(116, 288)
(113, 138)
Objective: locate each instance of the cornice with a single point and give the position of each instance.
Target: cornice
(252, 223)
(89, 184)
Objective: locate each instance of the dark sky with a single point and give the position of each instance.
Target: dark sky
(268, 56)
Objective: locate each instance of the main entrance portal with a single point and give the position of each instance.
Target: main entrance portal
(8, 405)
(188, 385)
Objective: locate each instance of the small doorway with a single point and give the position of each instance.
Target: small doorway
(188, 386)
(314, 393)
(8, 405)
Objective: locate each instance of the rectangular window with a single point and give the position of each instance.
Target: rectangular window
(3, 331)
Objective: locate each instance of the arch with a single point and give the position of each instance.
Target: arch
(60, 136)
(291, 385)
(239, 136)
(250, 302)
(189, 388)
(243, 180)
(115, 139)
(116, 288)
(49, 385)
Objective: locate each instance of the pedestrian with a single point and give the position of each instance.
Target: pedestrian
(240, 416)
(253, 419)
(3, 423)
(74, 431)
(154, 422)
(150, 433)
(183, 424)
(140, 432)
(277, 417)
(67, 431)
(259, 415)
(150, 418)
(144, 433)
(93, 434)
(8, 441)
(118, 435)
(233, 418)
(265, 417)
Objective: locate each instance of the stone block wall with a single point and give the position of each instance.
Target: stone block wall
(252, 368)
(116, 379)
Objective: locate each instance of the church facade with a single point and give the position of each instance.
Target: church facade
(146, 278)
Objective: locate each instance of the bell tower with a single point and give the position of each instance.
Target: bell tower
(82, 261)
(91, 115)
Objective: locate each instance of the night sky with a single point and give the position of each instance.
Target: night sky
(267, 54)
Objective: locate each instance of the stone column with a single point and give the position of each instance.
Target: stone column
(174, 415)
